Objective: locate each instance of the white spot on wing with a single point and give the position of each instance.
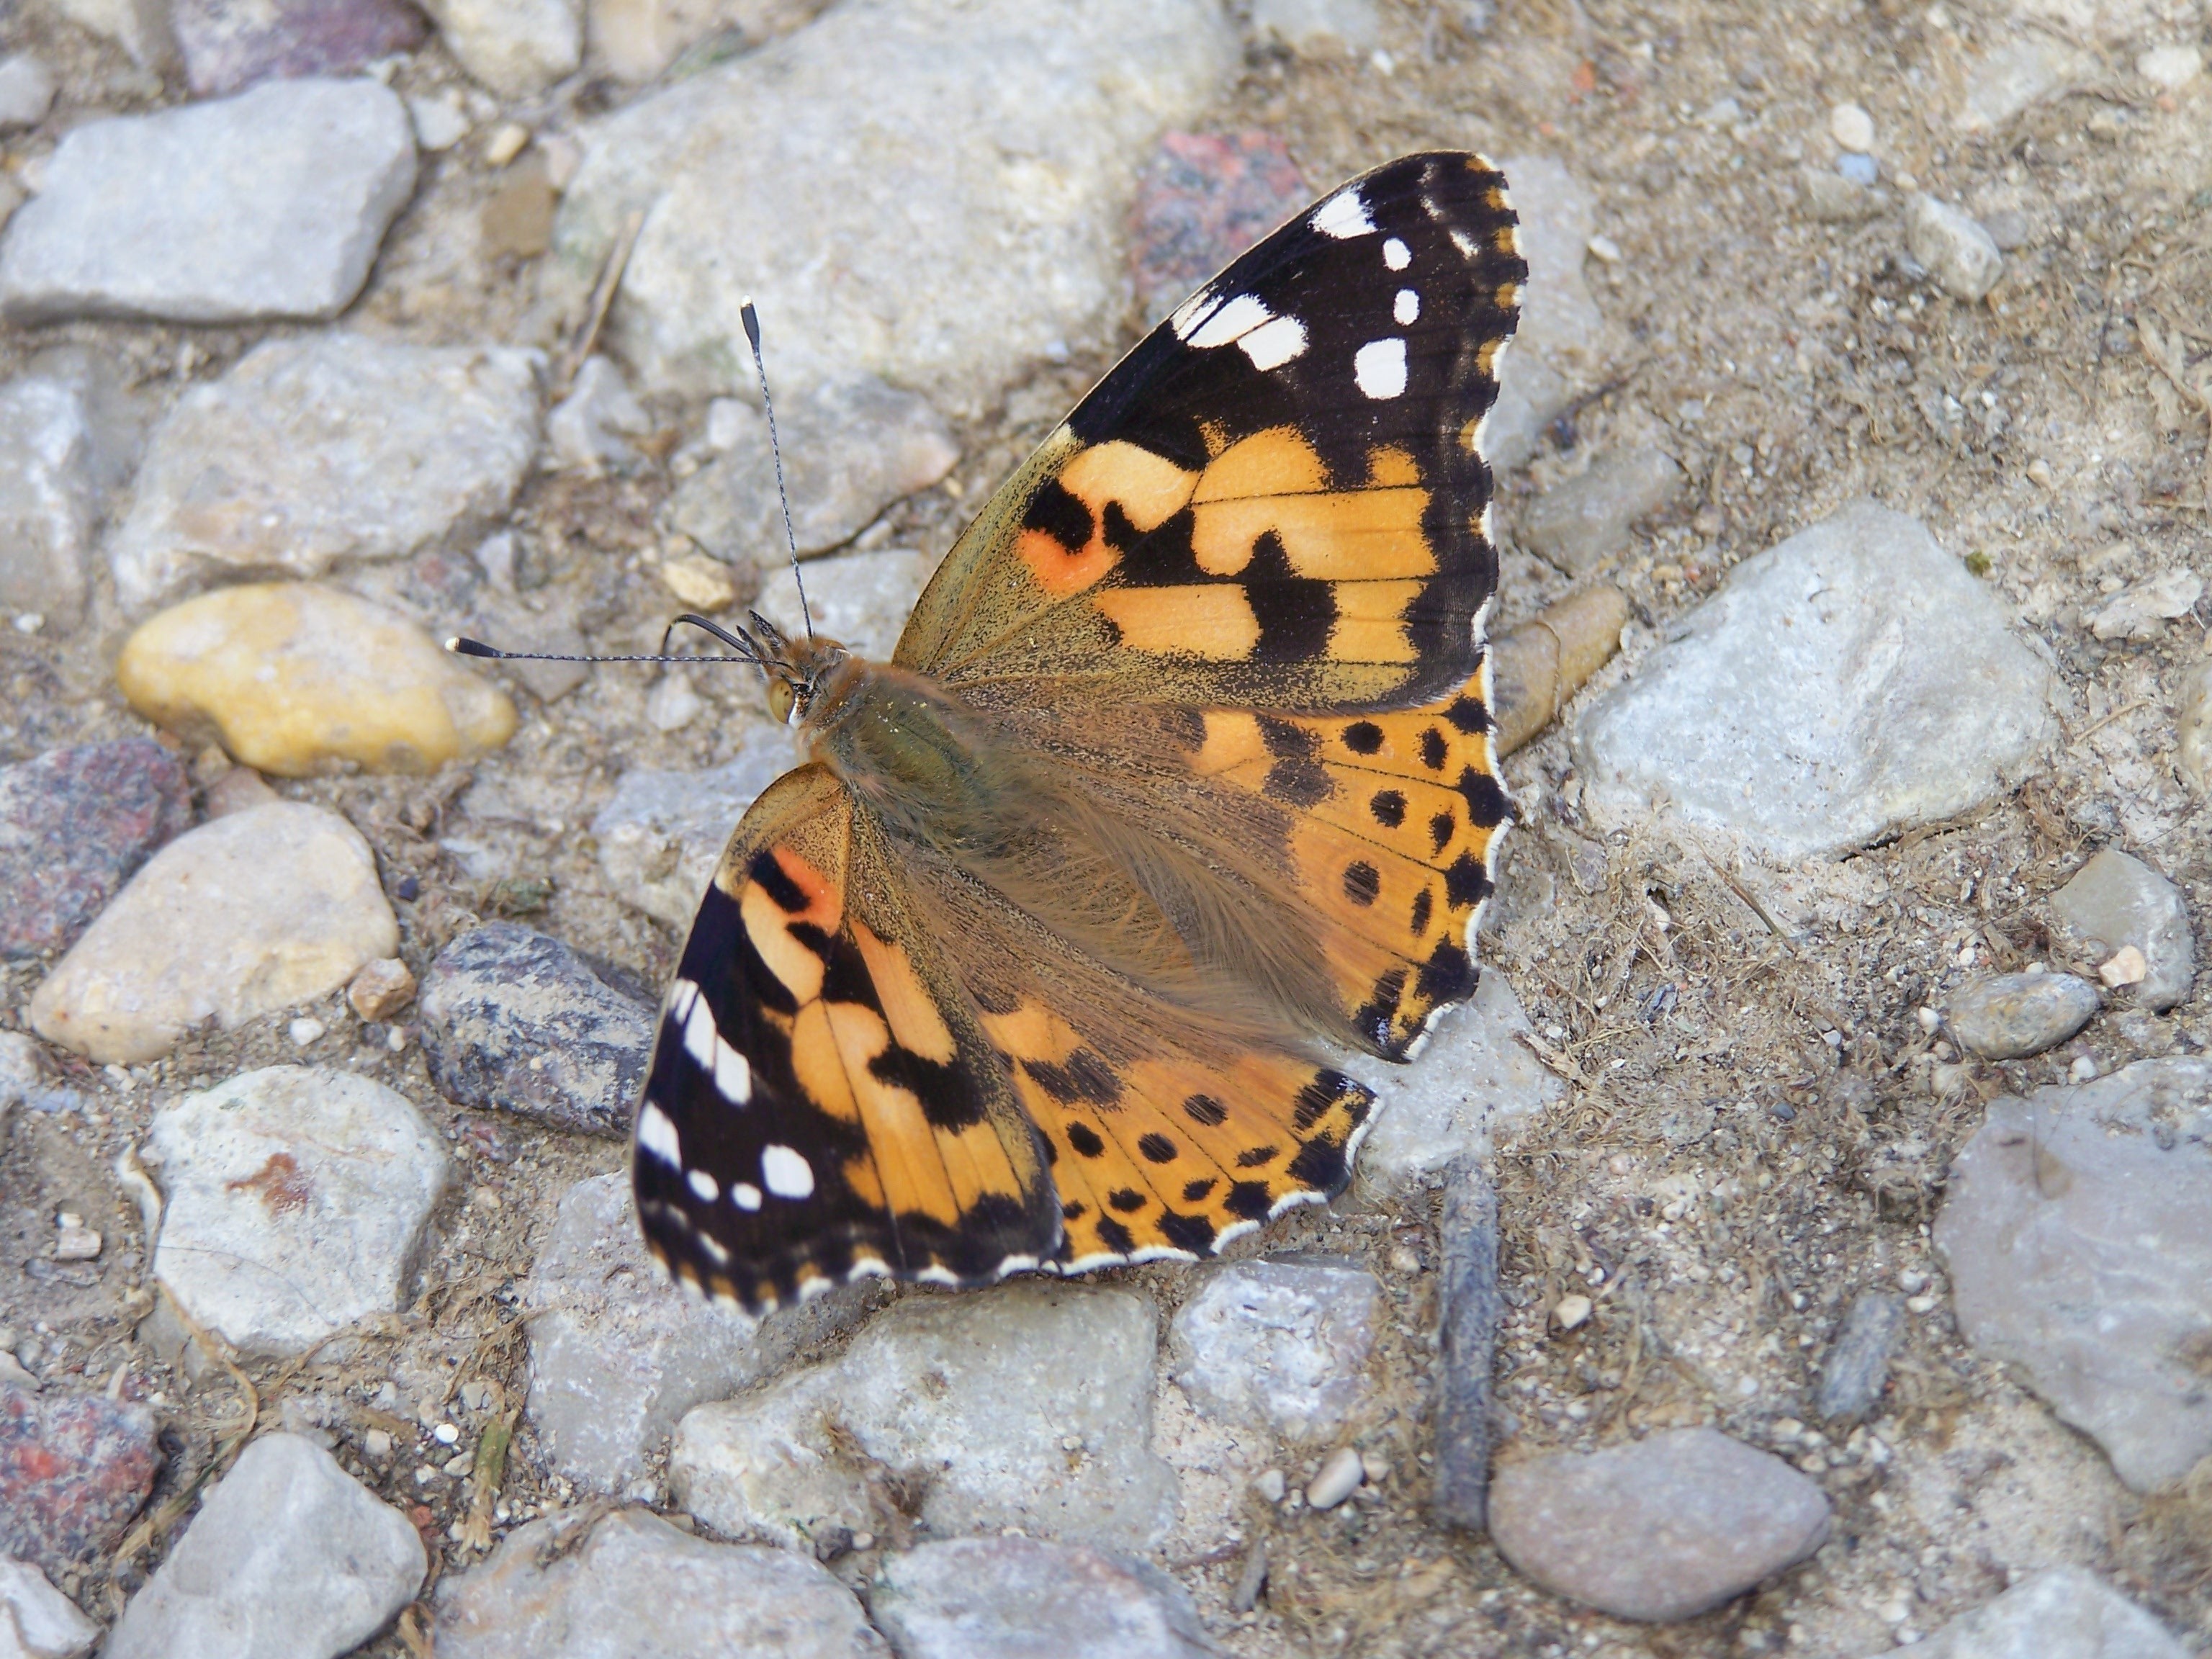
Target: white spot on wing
(732, 1076)
(1379, 367)
(700, 1036)
(1396, 254)
(1407, 308)
(704, 1184)
(1344, 216)
(656, 1134)
(744, 1195)
(1184, 318)
(1274, 342)
(786, 1174)
(681, 995)
(1236, 317)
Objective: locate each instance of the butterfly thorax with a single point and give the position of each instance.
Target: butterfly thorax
(907, 750)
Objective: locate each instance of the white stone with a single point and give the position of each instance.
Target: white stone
(976, 212)
(21, 1070)
(2143, 610)
(1337, 1480)
(516, 47)
(141, 28)
(1582, 522)
(2061, 1613)
(26, 90)
(634, 40)
(440, 123)
(1851, 682)
(288, 1558)
(269, 204)
(2024, 66)
(249, 914)
(672, 704)
(2073, 1230)
(2171, 67)
(1474, 1080)
(323, 451)
(1319, 28)
(48, 504)
(662, 834)
(589, 430)
(295, 1203)
(862, 600)
(1279, 1345)
(1963, 258)
(1852, 127)
(37, 1621)
(982, 1438)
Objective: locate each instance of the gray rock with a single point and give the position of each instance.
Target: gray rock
(2062, 1612)
(324, 450)
(862, 599)
(75, 823)
(1958, 253)
(1474, 1080)
(1857, 1368)
(516, 47)
(1319, 29)
(26, 91)
(1468, 1310)
(1663, 1530)
(617, 1355)
(270, 204)
(2142, 611)
(1530, 393)
(514, 1019)
(662, 834)
(958, 264)
(634, 40)
(2117, 900)
(2008, 1016)
(1017, 1598)
(2074, 1231)
(1851, 682)
(289, 1558)
(1281, 1346)
(249, 913)
(1562, 346)
(969, 1402)
(1585, 522)
(47, 501)
(297, 1202)
(141, 28)
(590, 429)
(850, 449)
(44, 1623)
(1833, 199)
(2027, 66)
(22, 1071)
(637, 1587)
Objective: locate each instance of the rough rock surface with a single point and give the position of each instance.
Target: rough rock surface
(1857, 1367)
(983, 1437)
(862, 599)
(270, 204)
(976, 225)
(324, 451)
(1279, 1345)
(516, 47)
(26, 91)
(1014, 1598)
(47, 500)
(2117, 900)
(74, 825)
(257, 911)
(1853, 681)
(226, 46)
(1202, 200)
(1562, 345)
(2073, 1230)
(2065, 1613)
(288, 1558)
(639, 1586)
(74, 1469)
(1958, 253)
(2009, 1015)
(514, 1019)
(296, 1203)
(662, 834)
(1661, 1529)
(1578, 525)
(44, 1623)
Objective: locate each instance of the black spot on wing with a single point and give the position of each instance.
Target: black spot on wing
(1362, 883)
(1448, 976)
(1196, 1192)
(1388, 807)
(1424, 903)
(1362, 737)
(1085, 1140)
(1320, 1165)
(1468, 715)
(1194, 1233)
(1256, 1158)
(1248, 1201)
(1127, 1199)
(1157, 1148)
(1299, 783)
(1205, 1109)
(1466, 882)
(1059, 512)
(1485, 802)
(1084, 1078)
(1114, 1237)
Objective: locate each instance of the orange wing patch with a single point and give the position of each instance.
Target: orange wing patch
(1102, 499)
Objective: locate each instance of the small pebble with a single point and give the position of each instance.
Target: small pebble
(75, 1467)
(2083, 1070)
(445, 1434)
(1961, 256)
(1857, 1368)
(2013, 1015)
(74, 1241)
(2171, 67)
(1605, 248)
(1340, 1477)
(506, 143)
(1271, 1486)
(1852, 127)
(2126, 967)
(700, 583)
(672, 704)
(1571, 1311)
(26, 91)
(2119, 910)
(376, 1446)
(381, 989)
(306, 1031)
(1859, 169)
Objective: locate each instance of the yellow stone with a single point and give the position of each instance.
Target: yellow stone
(703, 583)
(299, 679)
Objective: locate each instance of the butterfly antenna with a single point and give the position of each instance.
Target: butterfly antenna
(741, 645)
(776, 452)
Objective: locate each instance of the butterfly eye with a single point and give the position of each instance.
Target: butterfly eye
(782, 700)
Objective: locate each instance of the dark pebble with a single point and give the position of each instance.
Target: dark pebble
(514, 1019)
(74, 1469)
(1467, 1343)
(1857, 1365)
(74, 825)
(1205, 199)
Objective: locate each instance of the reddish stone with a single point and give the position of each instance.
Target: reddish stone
(1204, 199)
(228, 45)
(74, 825)
(74, 1469)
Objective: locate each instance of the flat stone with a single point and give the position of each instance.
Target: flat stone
(1474, 1079)
(2025, 67)
(26, 91)
(1833, 199)
(299, 679)
(1963, 258)
(2008, 1016)
(2074, 1232)
(850, 450)
(75, 824)
(48, 502)
(1281, 1346)
(2115, 900)
(965, 1400)
(270, 204)
(662, 834)
(2171, 67)
(43, 1623)
(75, 1468)
(634, 40)
(636, 1585)
(861, 599)
(324, 451)
(977, 228)
(1319, 29)
(516, 47)
(226, 45)
(2142, 611)
(288, 1558)
(514, 1019)
(256, 912)
(1203, 200)
(1016, 1598)
(1663, 1530)
(1563, 344)
(1851, 682)
(617, 1355)
(2061, 1613)
(1586, 522)
(590, 429)
(1857, 1368)
(296, 1203)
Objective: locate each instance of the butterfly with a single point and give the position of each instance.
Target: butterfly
(1180, 770)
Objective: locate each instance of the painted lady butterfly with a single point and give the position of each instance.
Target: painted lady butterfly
(1182, 765)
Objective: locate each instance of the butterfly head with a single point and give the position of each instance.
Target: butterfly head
(797, 671)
